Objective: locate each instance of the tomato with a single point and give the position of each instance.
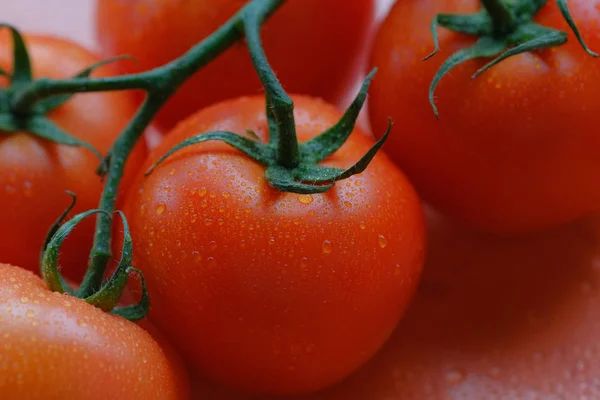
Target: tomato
(494, 318)
(35, 173)
(515, 148)
(267, 291)
(54, 346)
(313, 45)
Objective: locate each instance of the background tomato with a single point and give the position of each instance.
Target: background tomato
(55, 346)
(515, 148)
(269, 291)
(313, 46)
(34, 173)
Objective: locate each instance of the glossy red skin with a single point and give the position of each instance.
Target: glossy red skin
(266, 291)
(493, 318)
(34, 173)
(515, 149)
(313, 45)
(54, 346)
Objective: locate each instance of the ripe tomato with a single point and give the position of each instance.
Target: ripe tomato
(269, 291)
(35, 173)
(312, 44)
(523, 327)
(515, 148)
(54, 346)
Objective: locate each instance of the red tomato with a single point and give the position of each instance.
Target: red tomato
(267, 291)
(493, 318)
(515, 148)
(313, 45)
(34, 173)
(54, 346)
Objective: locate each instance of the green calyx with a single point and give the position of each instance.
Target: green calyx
(505, 28)
(108, 294)
(32, 119)
(290, 166)
(304, 175)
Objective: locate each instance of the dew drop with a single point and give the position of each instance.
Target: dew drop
(382, 241)
(363, 225)
(327, 247)
(208, 222)
(202, 192)
(30, 314)
(160, 208)
(211, 262)
(305, 198)
(24, 299)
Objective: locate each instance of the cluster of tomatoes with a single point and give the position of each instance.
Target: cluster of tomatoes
(259, 292)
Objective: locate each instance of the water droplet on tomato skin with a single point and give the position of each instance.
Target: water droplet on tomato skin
(305, 198)
(160, 208)
(382, 241)
(327, 247)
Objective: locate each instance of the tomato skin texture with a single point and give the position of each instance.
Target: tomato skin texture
(514, 149)
(266, 291)
(34, 173)
(313, 46)
(55, 346)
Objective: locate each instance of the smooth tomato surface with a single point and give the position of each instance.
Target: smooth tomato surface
(34, 173)
(268, 291)
(515, 148)
(54, 346)
(313, 46)
(493, 319)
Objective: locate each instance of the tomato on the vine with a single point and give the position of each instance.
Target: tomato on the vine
(54, 346)
(313, 45)
(270, 291)
(35, 173)
(514, 149)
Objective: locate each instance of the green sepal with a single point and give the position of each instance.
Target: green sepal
(327, 143)
(21, 75)
(49, 268)
(545, 38)
(45, 106)
(486, 46)
(500, 24)
(8, 123)
(138, 311)
(57, 224)
(46, 129)
(3, 72)
(282, 179)
(478, 24)
(564, 9)
(255, 150)
(109, 294)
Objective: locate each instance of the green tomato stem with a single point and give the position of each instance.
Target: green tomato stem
(281, 105)
(503, 20)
